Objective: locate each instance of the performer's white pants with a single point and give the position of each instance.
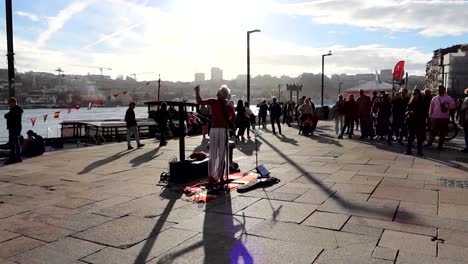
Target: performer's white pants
(218, 155)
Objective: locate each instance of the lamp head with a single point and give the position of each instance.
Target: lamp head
(253, 31)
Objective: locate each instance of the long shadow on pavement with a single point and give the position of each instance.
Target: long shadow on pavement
(145, 157)
(219, 242)
(337, 198)
(104, 161)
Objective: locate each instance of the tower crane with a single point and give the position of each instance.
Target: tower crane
(59, 70)
(101, 69)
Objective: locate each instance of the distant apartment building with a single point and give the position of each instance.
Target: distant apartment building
(199, 77)
(449, 67)
(216, 74)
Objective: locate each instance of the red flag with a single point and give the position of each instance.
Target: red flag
(69, 110)
(100, 102)
(45, 117)
(33, 121)
(56, 114)
(399, 71)
(125, 92)
(116, 94)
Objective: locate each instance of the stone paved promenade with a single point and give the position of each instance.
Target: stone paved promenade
(339, 201)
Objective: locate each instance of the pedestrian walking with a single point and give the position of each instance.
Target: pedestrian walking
(338, 114)
(463, 119)
(163, 117)
(415, 121)
(351, 114)
(14, 119)
(241, 120)
(439, 112)
(132, 127)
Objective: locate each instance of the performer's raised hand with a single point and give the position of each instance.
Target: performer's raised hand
(197, 88)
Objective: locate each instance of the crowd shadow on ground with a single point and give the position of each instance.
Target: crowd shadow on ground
(448, 156)
(96, 164)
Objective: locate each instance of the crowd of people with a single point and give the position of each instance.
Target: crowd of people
(402, 117)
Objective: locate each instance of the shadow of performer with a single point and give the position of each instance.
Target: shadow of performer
(104, 161)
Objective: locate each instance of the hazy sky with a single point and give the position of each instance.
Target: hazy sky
(180, 37)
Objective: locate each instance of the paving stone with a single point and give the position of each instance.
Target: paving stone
(385, 253)
(341, 176)
(368, 168)
(143, 251)
(390, 225)
(369, 180)
(418, 208)
(408, 242)
(132, 190)
(426, 220)
(406, 194)
(314, 196)
(351, 187)
(55, 211)
(345, 195)
(124, 232)
(61, 251)
(379, 210)
(453, 211)
(6, 235)
(279, 210)
(326, 220)
(218, 223)
(74, 203)
(232, 206)
(292, 188)
(34, 229)
(115, 200)
(453, 237)
(176, 216)
(271, 195)
(79, 222)
(18, 245)
(311, 178)
(250, 250)
(356, 253)
(302, 234)
(452, 252)
(405, 257)
(450, 197)
(7, 210)
(362, 230)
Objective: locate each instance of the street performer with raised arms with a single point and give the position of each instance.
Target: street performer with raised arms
(222, 115)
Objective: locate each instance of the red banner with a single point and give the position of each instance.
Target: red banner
(399, 71)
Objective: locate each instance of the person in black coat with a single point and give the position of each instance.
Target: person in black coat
(416, 121)
(14, 119)
(275, 114)
(132, 127)
(262, 114)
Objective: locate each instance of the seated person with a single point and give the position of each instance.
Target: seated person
(33, 146)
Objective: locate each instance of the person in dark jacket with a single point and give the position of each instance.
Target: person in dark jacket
(132, 128)
(399, 105)
(14, 118)
(384, 112)
(32, 146)
(365, 105)
(351, 114)
(416, 121)
(275, 114)
(163, 117)
(241, 121)
(262, 114)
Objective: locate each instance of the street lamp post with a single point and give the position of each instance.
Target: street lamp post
(248, 61)
(339, 88)
(323, 60)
